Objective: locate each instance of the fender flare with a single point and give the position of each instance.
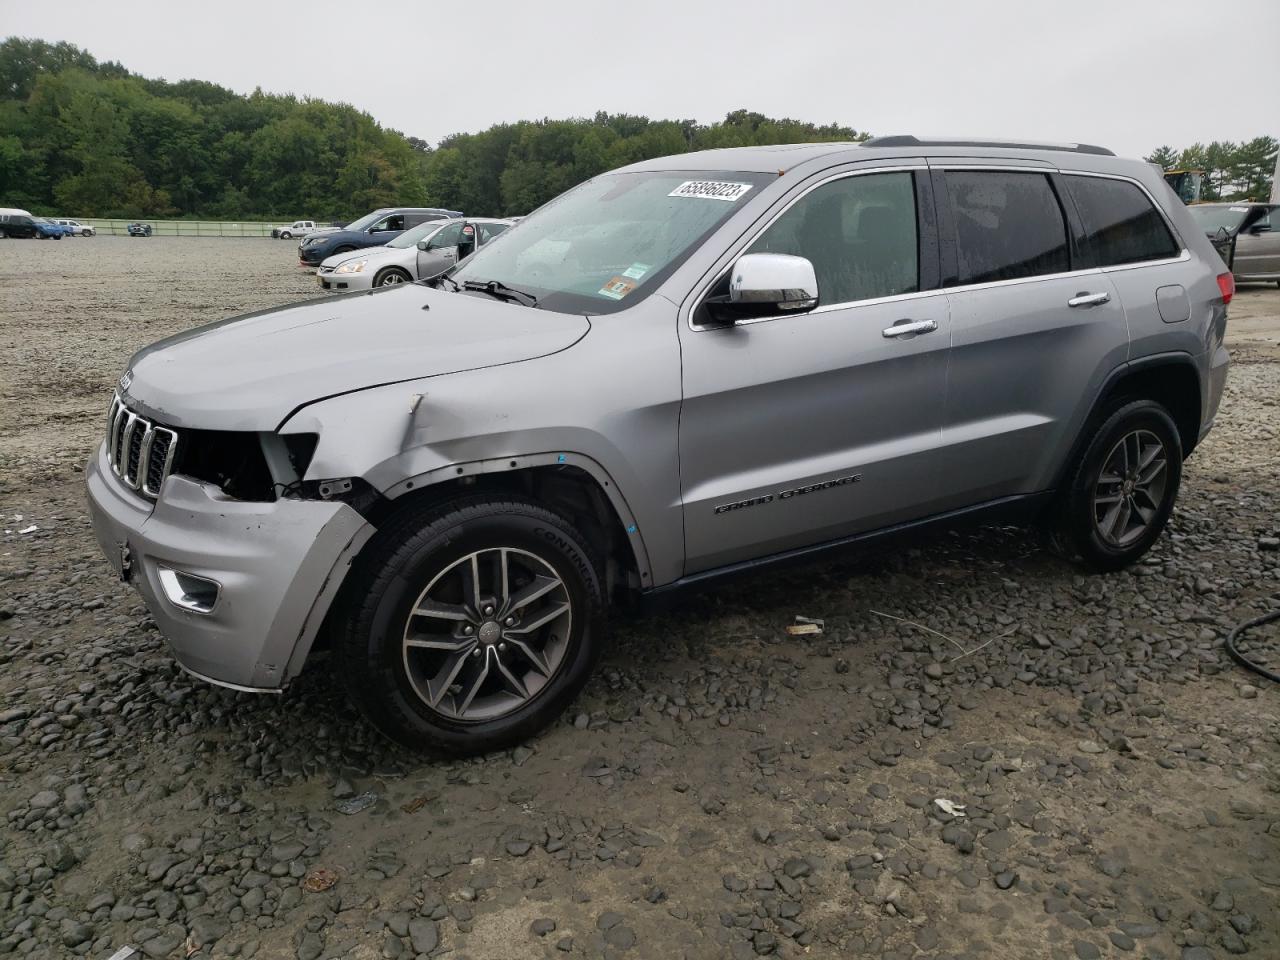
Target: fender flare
(517, 462)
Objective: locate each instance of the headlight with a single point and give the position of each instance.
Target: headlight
(351, 266)
(311, 241)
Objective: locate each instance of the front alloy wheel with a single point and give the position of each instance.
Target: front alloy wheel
(487, 634)
(467, 626)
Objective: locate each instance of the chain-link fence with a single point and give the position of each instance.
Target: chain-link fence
(187, 228)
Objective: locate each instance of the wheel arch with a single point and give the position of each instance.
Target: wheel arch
(1170, 379)
(391, 268)
(570, 483)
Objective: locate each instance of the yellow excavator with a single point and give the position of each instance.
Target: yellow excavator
(1187, 184)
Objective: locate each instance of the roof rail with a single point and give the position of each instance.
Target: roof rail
(906, 140)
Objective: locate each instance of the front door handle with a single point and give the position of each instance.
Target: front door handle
(909, 328)
(1083, 299)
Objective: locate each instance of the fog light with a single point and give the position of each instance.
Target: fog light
(186, 590)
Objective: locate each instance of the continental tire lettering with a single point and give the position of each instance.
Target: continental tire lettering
(568, 548)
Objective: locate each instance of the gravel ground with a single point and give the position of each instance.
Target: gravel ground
(721, 790)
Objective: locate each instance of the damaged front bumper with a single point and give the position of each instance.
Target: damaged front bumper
(239, 589)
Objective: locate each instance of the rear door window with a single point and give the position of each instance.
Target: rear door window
(1120, 223)
(1008, 225)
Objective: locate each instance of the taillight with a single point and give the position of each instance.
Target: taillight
(1227, 284)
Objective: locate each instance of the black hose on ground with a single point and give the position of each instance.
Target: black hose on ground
(1239, 657)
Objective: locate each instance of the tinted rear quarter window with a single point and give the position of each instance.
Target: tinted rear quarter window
(1120, 223)
(1008, 225)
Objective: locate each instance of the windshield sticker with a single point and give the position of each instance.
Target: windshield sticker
(1239, 209)
(617, 288)
(711, 190)
(636, 270)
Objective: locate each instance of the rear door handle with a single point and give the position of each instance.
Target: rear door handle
(1083, 299)
(909, 328)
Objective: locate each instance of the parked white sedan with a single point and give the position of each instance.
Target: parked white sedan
(426, 251)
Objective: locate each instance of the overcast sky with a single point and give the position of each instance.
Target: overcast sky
(1126, 74)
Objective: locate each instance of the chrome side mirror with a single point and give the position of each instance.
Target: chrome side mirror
(764, 285)
(777, 281)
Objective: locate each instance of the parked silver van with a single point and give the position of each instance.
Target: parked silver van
(689, 367)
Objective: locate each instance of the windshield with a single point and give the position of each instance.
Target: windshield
(606, 244)
(421, 232)
(1213, 219)
(368, 220)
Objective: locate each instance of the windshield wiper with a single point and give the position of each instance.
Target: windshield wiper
(435, 281)
(499, 290)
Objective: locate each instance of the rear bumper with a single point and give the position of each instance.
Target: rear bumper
(278, 566)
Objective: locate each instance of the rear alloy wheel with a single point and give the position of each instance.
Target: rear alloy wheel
(467, 627)
(1130, 488)
(1122, 490)
(392, 276)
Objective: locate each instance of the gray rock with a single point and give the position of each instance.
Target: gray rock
(620, 936)
(797, 867)
(1122, 941)
(542, 926)
(207, 930)
(73, 934)
(423, 934)
(310, 946)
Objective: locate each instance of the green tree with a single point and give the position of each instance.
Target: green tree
(1166, 158)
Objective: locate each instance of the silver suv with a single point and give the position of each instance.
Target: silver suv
(688, 367)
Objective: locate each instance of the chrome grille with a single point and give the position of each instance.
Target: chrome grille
(140, 452)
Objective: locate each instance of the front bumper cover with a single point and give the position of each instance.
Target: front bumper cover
(279, 565)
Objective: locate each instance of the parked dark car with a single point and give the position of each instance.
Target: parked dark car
(372, 230)
(139, 229)
(17, 226)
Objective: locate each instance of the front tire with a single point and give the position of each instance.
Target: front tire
(1122, 489)
(286, 235)
(390, 277)
(469, 626)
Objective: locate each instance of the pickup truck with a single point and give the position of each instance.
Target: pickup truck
(299, 228)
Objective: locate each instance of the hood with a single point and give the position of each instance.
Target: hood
(372, 254)
(251, 372)
(342, 235)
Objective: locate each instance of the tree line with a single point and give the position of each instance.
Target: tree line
(84, 138)
(1233, 171)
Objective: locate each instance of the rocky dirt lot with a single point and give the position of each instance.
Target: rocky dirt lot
(1108, 778)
